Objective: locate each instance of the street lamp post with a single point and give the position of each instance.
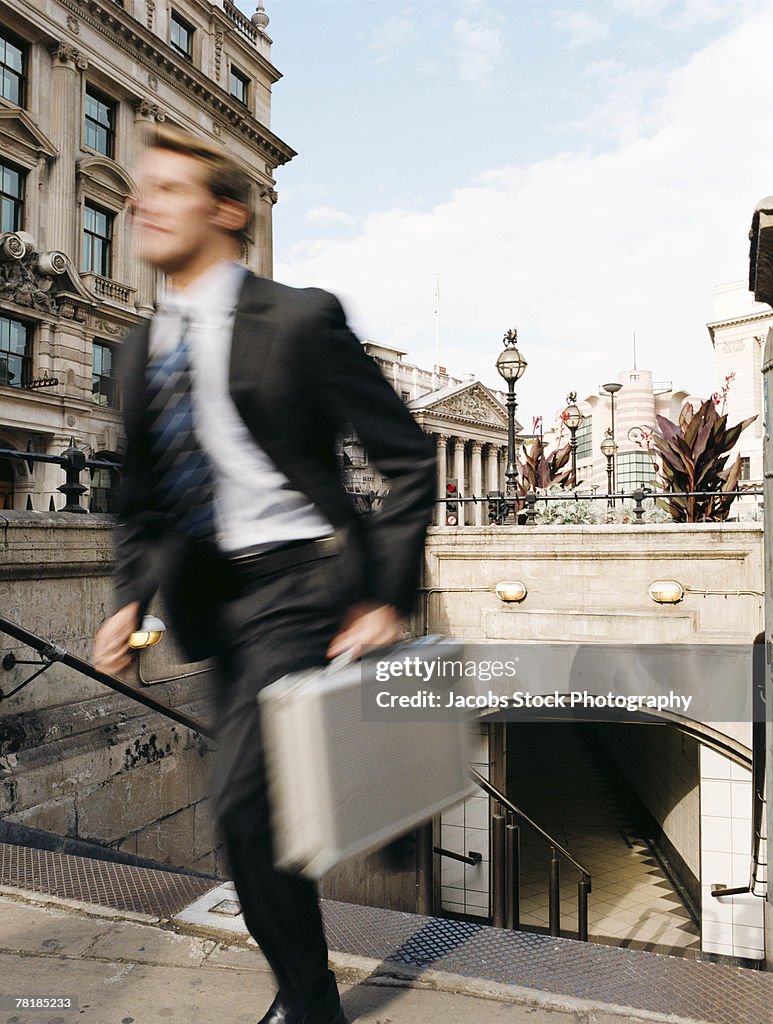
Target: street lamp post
(572, 417)
(608, 450)
(611, 390)
(511, 366)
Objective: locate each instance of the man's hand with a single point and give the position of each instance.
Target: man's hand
(112, 653)
(366, 624)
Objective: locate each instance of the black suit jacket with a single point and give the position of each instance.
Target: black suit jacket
(298, 377)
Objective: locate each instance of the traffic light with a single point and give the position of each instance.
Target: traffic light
(497, 508)
(452, 507)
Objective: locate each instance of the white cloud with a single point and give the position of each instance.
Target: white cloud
(579, 250)
(683, 15)
(325, 215)
(582, 28)
(625, 101)
(395, 33)
(481, 46)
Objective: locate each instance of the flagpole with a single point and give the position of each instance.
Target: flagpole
(437, 325)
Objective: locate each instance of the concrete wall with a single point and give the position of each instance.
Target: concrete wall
(75, 758)
(81, 761)
(590, 583)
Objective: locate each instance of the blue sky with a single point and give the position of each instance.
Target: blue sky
(581, 170)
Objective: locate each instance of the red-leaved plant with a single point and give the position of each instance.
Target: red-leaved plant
(693, 457)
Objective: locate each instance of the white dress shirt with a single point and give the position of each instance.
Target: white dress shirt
(256, 507)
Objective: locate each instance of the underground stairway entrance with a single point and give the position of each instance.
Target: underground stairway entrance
(564, 776)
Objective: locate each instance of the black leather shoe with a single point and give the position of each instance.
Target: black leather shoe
(327, 1010)
(280, 1013)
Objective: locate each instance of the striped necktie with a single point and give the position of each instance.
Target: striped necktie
(184, 480)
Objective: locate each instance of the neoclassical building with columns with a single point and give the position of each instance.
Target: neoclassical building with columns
(81, 81)
(467, 420)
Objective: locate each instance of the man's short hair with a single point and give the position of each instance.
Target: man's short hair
(225, 177)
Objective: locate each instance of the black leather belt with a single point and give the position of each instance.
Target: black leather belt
(254, 564)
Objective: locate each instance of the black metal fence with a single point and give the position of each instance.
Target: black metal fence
(73, 461)
(499, 508)
(522, 510)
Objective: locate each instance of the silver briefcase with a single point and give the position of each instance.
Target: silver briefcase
(341, 784)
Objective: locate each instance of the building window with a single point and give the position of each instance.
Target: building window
(13, 61)
(584, 438)
(100, 122)
(634, 469)
(238, 85)
(181, 36)
(405, 395)
(104, 385)
(104, 484)
(15, 355)
(746, 468)
(11, 197)
(97, 240)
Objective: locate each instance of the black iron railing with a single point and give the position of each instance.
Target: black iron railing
(73, 461)
(522, 509)
(51, 653)
(505, 867)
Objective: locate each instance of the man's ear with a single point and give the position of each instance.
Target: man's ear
(230, 215)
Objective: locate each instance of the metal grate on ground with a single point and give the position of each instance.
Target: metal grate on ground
(632, 978)
(140, 890)
(707, 992)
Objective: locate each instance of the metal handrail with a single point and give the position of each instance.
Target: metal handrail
(506, 868)
(51, 653)
(502, 799)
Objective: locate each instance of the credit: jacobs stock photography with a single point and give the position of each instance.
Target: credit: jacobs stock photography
(386, 501)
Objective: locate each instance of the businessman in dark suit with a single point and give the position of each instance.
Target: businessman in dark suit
(232, 505)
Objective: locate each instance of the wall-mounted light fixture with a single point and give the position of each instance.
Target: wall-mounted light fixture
(511, 591)
(666, 592)
(149, 634)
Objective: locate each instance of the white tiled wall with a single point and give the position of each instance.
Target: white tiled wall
(464, 888)
(732, 925)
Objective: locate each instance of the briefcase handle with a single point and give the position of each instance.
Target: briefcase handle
(414, 645)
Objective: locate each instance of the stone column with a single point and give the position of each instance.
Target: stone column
(476, 478)
(146, 115)
(459, 474)
(442, 446)
(492, 474)
(264, 232)
(64, 101)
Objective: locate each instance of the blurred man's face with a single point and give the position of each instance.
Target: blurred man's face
(174, 212)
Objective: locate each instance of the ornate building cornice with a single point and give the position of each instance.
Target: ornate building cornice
(750, 318)
(146, 49)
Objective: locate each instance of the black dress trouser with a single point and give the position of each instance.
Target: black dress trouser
(273, 625)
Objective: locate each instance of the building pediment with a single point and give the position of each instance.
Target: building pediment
(472, 404)
(106, 175)
(18, 126)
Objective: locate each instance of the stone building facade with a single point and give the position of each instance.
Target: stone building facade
(467, 420)
(81, 82)
(738, 331)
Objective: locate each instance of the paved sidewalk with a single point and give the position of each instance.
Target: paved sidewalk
(131, 969)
